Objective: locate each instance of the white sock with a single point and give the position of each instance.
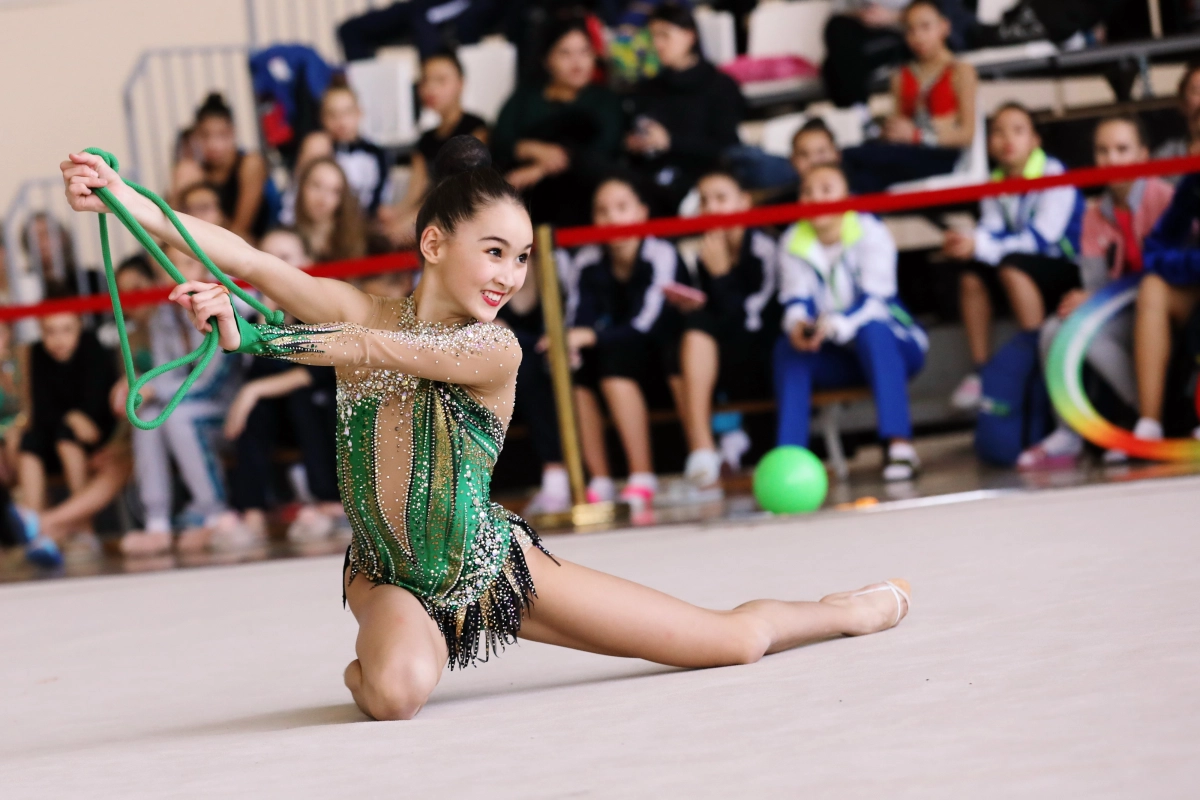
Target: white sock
(903, 451)
(158, 525)
(1148, 429)
(602, 486)
(555, 482)
(645, 479)
(1063, 442)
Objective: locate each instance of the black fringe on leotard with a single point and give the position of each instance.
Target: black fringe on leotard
(495, 618)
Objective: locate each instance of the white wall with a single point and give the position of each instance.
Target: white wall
(63, 64)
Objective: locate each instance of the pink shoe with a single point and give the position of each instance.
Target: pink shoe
(639, 497)
(1036, 458)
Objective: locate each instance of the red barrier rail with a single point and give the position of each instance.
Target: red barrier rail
(682, 226)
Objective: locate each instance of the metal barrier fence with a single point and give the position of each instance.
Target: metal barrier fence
(310, 22)
(160, 100)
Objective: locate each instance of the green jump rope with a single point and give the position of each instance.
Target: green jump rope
(208, 348)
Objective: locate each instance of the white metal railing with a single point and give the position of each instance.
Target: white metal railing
(310, 22)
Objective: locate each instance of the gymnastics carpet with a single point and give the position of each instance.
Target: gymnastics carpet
(1053, 650)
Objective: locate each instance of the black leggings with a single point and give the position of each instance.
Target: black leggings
(312, 416)
(854, 53)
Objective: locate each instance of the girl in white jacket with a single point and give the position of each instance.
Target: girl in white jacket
(843, 325)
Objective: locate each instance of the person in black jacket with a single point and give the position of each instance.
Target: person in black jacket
(70, 375)
(729, 335)
(685, 116)
(625, 336)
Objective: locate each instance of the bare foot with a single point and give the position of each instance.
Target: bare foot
(874, 607)
(146, 543)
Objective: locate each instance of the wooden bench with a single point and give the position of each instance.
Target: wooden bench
(828, 404)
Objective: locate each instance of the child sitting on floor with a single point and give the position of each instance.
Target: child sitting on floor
(843, 324)
(934, 118)
(1024, 243)
(618, 318)
(728, 336)
(1110, 247)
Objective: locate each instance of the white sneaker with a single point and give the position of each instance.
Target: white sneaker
(903, 463)
(1148, 429)
(310, 525)
(601, 489)
(640, 490)
(969, 393)
(230, 533)
(547, 502)
(703, 468)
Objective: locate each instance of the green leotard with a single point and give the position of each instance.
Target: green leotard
(422, 409)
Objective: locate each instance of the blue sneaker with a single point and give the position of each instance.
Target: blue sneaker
(41, 551)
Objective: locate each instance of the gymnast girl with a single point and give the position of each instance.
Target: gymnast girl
(436, 574)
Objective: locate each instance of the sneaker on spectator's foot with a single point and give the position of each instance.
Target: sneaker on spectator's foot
(83, 546)
(41, 551)
(1113, 457)
(1059, 450)
(969, 393)
(228, 533)
(734, 446)
(601, 489)
(1148, 429)
(545, 501)
(902, 462)
(639, 491)
(310, 525)
(703, 468)
(140, 544)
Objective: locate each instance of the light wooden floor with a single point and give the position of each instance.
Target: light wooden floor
(1053, 651)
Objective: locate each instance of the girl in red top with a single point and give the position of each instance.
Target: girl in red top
(934, 117)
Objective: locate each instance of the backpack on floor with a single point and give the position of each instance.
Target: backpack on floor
(1015, 412)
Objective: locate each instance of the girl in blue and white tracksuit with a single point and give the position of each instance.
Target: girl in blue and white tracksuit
(843, 324)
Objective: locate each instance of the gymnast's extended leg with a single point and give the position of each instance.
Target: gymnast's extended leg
(588, 610)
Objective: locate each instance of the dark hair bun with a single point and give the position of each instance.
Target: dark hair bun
(460, 154)
(214, 105)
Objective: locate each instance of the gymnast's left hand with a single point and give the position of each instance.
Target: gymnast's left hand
(207, 303)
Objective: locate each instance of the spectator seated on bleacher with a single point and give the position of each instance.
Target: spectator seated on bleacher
(304, 396)
(812, 146)
(203, 201)
(843, 324)
(728, 335)
(555, 142)
(534, 403)
(440, 89)
(1168, 295)
(628, 338)
(49, 249)
(432, 25)
(1189, 107)
(190, 437)
(864, 35)
(10, 405)
(1025, 245)
(240, 178)
(68, 419)
(685, 117)
(1110, 247)
(364, 163)
(934, 116)
(328, 217)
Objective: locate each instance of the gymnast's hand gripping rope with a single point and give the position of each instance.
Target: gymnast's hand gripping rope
(208, 348)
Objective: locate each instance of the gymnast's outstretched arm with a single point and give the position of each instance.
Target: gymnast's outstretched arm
(306, 297)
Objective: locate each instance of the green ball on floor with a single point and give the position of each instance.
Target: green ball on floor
(790, 480)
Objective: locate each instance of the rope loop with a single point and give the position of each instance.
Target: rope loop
(203, 354)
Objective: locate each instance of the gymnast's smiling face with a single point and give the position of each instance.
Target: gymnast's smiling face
(480, 266)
